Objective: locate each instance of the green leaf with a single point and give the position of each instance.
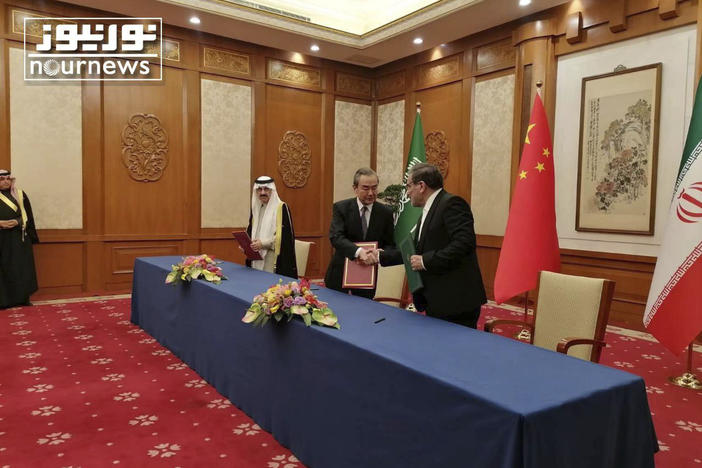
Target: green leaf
(307, 319)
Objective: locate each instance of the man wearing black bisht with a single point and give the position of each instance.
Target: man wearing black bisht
(18, 278)
(271, 230)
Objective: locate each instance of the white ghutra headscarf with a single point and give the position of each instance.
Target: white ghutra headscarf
(266, 231)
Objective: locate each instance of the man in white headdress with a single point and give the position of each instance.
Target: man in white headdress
(271, 230)
(18, 278)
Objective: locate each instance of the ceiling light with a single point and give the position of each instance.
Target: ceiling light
(194, 20)
(524, 2)
(418, 40)
(314, 48)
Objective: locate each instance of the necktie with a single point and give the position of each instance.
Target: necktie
(364, 222)
(418, 231)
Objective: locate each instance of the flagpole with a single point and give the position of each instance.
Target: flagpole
(688, 379)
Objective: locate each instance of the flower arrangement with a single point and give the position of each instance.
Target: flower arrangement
(194, 267)
(288, 300)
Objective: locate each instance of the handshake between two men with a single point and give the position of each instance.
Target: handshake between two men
(372, 257)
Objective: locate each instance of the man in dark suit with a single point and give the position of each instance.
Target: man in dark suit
(358, 219)
(445, 245)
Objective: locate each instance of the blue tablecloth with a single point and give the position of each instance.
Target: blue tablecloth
(410, 391)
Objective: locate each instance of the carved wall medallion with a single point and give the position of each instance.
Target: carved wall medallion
(144, 147)
(294, 162)
(437, 148)
(225, 60)
(293, 73)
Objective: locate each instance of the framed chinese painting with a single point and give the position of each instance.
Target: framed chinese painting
(618, 152)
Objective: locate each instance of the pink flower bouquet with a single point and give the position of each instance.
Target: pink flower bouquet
(288, 300)
(194, 267)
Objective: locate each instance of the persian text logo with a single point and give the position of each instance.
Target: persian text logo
(93, 49)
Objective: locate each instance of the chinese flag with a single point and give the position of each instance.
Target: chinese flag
(531, 242)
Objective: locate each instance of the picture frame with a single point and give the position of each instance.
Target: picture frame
(618, 151)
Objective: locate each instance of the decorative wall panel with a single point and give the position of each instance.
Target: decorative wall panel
(492, 154)
(293, 73)
(226, 61)
(354, 85)
(226, 153)
(390, 85)
(440, 71)
(496, 54)
(294, 159)
(390, 133)
(352, 145)
(46, 147)
(145, 147)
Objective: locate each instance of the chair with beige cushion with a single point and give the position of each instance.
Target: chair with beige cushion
(570, 311)
(390, 285)
(302, 254)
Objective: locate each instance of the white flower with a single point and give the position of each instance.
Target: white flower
(34, 370)
(92, 348)
(627, 338)
(161, 352)
(689, 426)
(113, 377)
(147, 341)
(143, 420)
(29, 355)
(40, 388)
(83, 337)
(101, 361)
(281, 461)
(164, 450)
(124, 322)
(16, 315)
(651, 357)
(69, 319)
(22, 332)
(54, 438)
(76, 327)
(46, 411)
(18, 324)
(247, 429)
(108, 307)
(653, 389)
(196, 383)
(26, 343)
(115, 314)
(623, 364)
(135, 331)
(64, 311)
(663, 446)
(177, 366)
(127, 396)
(220, 403)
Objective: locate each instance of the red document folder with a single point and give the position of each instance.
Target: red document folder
(360, 276)
(242, 237)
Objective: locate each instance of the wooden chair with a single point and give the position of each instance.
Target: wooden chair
(390, 285)
(570, 311)
(302, 254)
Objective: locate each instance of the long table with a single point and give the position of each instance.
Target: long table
(407, 391)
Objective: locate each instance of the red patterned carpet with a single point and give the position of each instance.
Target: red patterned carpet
(81, 386)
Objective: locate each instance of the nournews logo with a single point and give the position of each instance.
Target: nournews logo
(94, 49)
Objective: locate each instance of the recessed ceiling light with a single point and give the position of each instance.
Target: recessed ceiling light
(194, 20)
(314, 48)
(418, 40)
(524, 2)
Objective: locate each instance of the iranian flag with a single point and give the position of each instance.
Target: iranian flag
(408, 215)
(674, 308)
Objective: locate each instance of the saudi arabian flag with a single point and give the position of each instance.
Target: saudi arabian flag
(674, 308)
(408, 214)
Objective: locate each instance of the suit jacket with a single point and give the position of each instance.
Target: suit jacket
(345, 229)
(453, 285)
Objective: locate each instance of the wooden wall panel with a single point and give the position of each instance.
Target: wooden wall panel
(289, 109)
(59, 266)
(120, 256)
(441, 111)
(223, 249)
(143, 208)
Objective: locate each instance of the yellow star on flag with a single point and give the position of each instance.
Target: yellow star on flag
(526, 140)
(523, 174)
(540, 167)
(546, 152)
